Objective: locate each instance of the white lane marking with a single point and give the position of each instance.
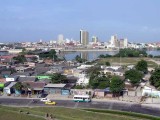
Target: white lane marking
(76, 105)
(29, 102)
(94, 103)
(111, 105)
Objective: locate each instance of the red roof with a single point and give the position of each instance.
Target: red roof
(7, 56)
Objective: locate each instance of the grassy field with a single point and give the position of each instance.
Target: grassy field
(126, 61)
(6, 114)
(61, 113)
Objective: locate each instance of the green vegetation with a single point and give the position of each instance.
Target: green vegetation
(97, 79)
(7, 114)
(20, 58)
(107, 63)
(142, 66)
(58, 78)
(51, 55)
(125, 61)
(93, 71)
(100, 82)
(105, 56)
(155, 78)
(78, 87)
(22, 87)
(134, 115)
(62, 113)
(79, 59)
(127, 52)
(18, 86)
(116, 85)
(24, 51)
(134, 76)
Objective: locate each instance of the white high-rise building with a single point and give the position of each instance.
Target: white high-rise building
(125, 43)
(84, 37)
(60, 39)
(114, 41)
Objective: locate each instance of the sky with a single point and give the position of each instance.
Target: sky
(32, 20)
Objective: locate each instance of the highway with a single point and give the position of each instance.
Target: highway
(94, 104)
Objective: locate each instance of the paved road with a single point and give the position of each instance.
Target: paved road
(94, 104)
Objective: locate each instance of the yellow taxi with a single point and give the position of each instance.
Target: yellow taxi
(50, 103)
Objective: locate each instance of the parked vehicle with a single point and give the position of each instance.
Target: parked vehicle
(45, 100)
(81, 98)
(50, 103)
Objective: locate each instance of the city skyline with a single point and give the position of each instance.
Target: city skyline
(33, 20)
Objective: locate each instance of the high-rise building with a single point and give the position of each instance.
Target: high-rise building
(60, 39)
(125, 43)
(84, 37)
(94, 39)
(114, 41)
(84, 55)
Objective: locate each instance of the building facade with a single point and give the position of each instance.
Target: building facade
(84, 37)
(94, 39)
(60, 39)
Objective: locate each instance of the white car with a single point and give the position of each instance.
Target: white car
(45, 100)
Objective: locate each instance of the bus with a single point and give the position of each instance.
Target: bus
(81, 98)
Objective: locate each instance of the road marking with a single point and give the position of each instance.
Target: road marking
(94, 103)
(29, 103)
(111, 105)
(76, 105)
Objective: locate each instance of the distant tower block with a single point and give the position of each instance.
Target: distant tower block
(84, 37)
(60, 39)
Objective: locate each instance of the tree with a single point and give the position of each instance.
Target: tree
(26, 87)
(20, 58)
(78, 87)
(105, 56)
(24, 52)
(134, 76)
(116, 85)
(104, 84)
(58, 78)
(128, 52)
(142, 66)
(51, 55)
(155, 78)
(108, 63)
(93, 71)
(18, 86)
(79, 59)
(99, 81)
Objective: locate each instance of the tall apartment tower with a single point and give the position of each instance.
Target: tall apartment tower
(60, 39)
(114, 41)
(125, 43)
(84, 37)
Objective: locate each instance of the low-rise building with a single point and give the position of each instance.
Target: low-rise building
(56, 89)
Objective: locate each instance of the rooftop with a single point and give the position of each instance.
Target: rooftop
(56, 85)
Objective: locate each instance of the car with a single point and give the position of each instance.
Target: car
(50, 103)
(45, 100)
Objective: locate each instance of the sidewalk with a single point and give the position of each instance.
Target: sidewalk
(18, 97)
(157, 106)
